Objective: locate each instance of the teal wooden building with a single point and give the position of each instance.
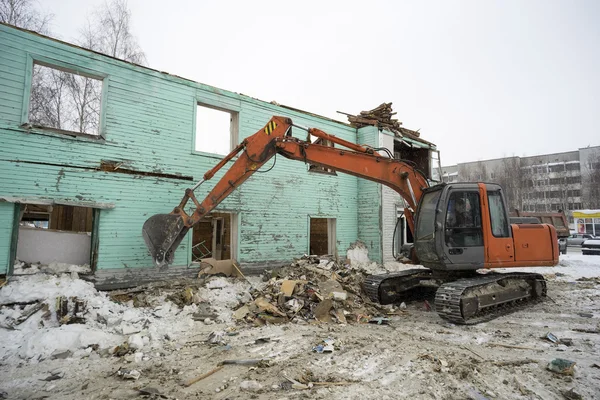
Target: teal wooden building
(91, 146)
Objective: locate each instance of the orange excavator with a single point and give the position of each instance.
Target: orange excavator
(458, 228)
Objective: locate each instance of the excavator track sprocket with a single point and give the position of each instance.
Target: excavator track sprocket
(482, 298)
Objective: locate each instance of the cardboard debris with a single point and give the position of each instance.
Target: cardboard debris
(211, 266)
(287, 287)
(264, 305)
(322, 310)
(241, 312)
(332, 289)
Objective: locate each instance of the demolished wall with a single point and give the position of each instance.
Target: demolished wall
(146, 129)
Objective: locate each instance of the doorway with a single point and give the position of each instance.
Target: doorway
(214, 236)
(322, 238)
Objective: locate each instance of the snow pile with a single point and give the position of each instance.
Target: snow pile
(358, 257)
(358, 254)
(107, 323)
(223, 295)
(23, 268)
(395, 266)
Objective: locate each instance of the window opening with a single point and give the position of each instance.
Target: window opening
(317, 168)
(64, 100)
(216, 130)
(55, 234)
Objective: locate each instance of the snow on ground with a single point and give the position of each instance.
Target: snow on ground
(418, 355)
(571, 266)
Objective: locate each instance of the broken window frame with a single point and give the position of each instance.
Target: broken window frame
(234, 128)
(73, 69)
(318, 169)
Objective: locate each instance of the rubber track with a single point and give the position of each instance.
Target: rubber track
(373, 282)
(448, 297)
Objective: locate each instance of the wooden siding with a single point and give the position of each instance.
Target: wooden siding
(148, 121)
(369, 202)
(7, 211)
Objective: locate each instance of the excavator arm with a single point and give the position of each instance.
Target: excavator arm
(164, 232)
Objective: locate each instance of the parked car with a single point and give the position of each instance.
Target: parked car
(577, 239)
(591, 246)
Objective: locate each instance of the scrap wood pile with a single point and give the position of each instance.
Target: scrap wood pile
(312, 290)
(381, 117)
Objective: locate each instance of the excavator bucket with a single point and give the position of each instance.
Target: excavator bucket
(162, 234)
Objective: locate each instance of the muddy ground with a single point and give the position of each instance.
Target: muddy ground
(417, 356)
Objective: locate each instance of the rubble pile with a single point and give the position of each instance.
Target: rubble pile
(311, 290)
(37, 308)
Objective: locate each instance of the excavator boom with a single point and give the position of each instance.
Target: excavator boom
(164, 232)
(459, 227)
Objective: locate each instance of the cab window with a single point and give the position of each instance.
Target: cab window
(463, 220)
(497, 215)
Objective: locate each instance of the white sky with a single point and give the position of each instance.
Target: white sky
(481, 79)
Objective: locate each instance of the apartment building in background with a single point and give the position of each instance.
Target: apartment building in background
(565, 181)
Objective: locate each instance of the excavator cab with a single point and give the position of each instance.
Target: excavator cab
(466, 226)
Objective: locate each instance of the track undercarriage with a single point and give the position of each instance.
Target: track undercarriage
(467, 298)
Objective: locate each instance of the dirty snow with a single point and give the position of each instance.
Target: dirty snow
(107, 322)
(23, 268)
(417, 356)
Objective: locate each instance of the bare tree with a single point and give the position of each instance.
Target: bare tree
(591, 182)
(473, 172)
(69, 100)
(509, 176)
(108, 31)
(23, 14)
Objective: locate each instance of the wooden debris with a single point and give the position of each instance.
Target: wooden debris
(510, 346)
(472, 351)
(515, 363)
(200, 377)
(332, 383)
(586, 330)
(249, 361)
(381, 117)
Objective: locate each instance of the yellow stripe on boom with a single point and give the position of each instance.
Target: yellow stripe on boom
(270, 127)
